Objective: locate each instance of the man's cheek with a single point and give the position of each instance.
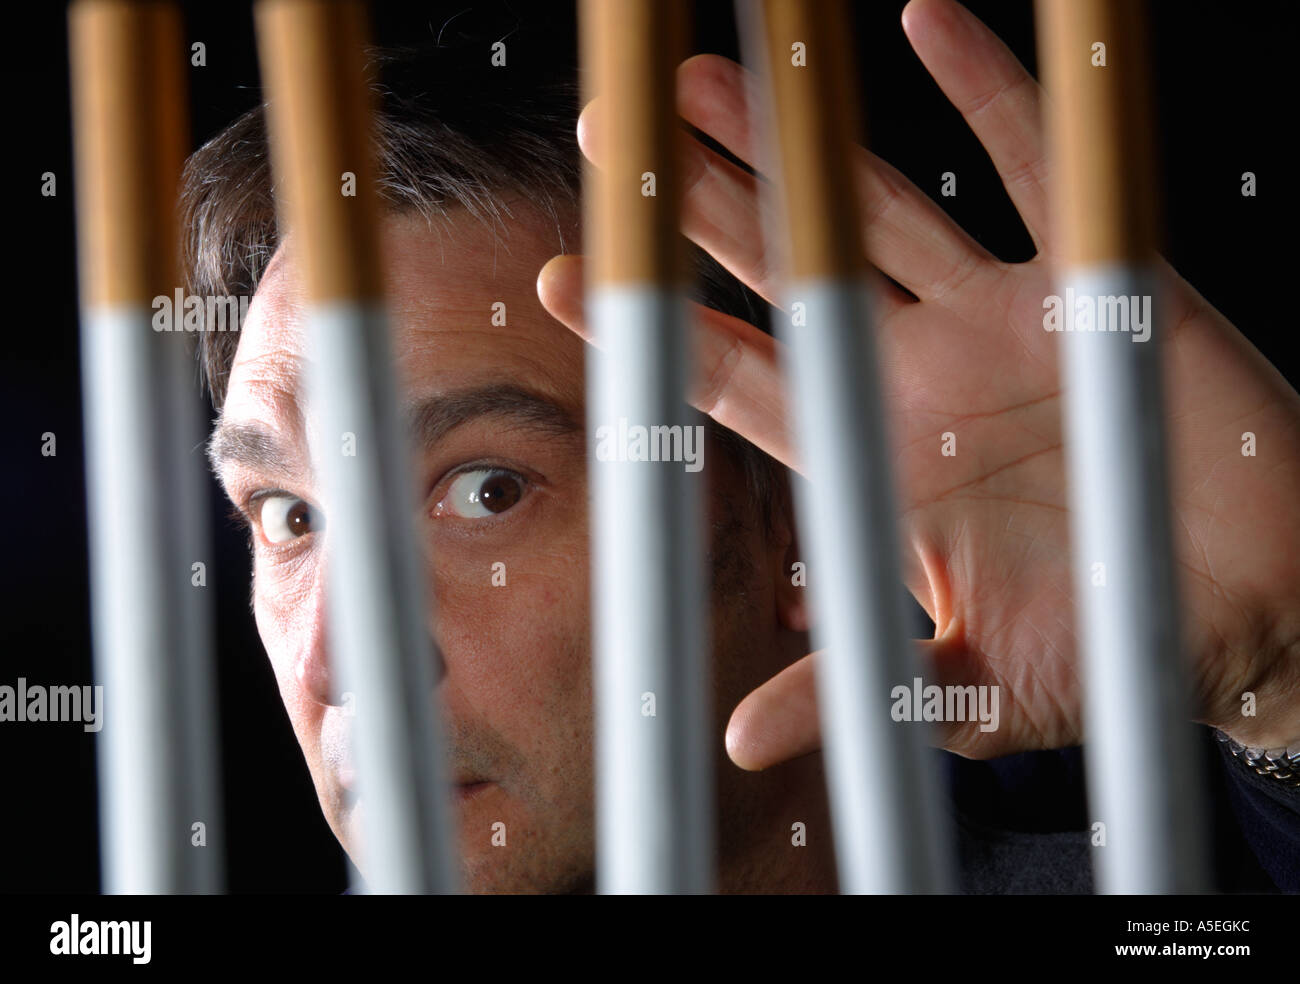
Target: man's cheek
(285, 639)
(517, 628)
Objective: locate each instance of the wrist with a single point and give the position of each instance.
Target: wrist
(1265, 711)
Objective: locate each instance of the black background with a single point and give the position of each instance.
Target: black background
(1225, 104)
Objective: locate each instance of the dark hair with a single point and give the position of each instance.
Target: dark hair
(503, 135)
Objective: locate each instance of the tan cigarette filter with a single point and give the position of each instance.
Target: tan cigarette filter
(130, 130)
(818, 121)
(630, 53)
(319, 109)
(1099, 126)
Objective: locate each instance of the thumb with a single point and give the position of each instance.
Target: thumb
(559, 288)
(779, 720)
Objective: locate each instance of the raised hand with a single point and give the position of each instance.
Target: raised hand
(985, 531)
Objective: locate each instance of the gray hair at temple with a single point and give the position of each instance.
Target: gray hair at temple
(495, 135)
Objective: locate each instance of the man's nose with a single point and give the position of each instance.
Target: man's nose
(312, 667)
(315, 669)
(437, 664)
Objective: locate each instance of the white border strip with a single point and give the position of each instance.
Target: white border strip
(379, 637)
(158, 764)
(654, 774)
(1143, 780)
(881, 779)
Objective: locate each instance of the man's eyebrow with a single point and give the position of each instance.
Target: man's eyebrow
(429, 420)
(252, 445)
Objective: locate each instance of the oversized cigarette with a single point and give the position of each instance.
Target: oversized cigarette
(320, 125)
(149, 549)
(1144, 790)
(654, 756)
(883, 788)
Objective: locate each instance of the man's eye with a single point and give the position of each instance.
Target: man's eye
(286, 517)
(480, 493)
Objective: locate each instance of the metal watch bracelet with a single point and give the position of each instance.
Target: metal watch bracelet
(1282, 764)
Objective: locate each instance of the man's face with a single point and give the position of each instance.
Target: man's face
(501, 469)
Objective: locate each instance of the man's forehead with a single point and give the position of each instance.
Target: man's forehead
(462, 307)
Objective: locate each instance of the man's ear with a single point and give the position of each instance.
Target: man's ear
(791, 574)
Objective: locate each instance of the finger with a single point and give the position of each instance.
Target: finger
(736, 377)
(997, 97)
(906, 234)
(722, 210)
(778, 721)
